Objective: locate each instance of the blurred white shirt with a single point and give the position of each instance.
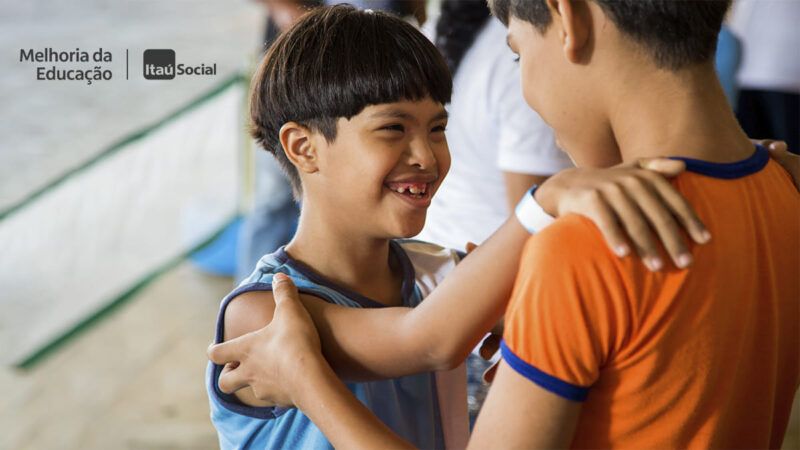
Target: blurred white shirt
(491, 130)
(770, 35)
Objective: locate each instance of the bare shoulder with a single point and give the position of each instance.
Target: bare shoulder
(251, 311)
(248, 312)
(245, 313)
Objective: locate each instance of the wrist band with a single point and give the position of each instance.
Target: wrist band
(530, 214)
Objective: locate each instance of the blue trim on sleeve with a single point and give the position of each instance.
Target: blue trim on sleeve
(555, 385)
(757, 161)
(230, 401)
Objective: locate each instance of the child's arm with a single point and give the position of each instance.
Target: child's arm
(365, 344)
(297, 374)
(438, 334)
(344, 420)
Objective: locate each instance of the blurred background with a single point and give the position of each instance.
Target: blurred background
(129, 207)
(105, 191)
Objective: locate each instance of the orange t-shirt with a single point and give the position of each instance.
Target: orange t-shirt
(704, 357)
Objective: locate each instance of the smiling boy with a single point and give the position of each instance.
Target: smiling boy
(598, 351)
(351, 104)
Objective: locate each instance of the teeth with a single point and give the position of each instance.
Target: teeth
(418, 189)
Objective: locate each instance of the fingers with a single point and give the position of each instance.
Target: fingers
(660, 217)
(605, 218)
(789, 161)
(778, 151)
(778, 146)
(680, 208)
(665, 166)
(288, 307)
(231, 379)
(632, 217)
(283, 289)
(771, 144)
(631, 201)
(225, 352)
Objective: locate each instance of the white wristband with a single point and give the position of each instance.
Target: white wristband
(530, 214)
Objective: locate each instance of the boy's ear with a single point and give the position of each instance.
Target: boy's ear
(573, 22)
(298, 146)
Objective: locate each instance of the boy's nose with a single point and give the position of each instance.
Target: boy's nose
(421, 155)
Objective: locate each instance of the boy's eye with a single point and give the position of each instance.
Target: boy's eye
(394, 127)
(439, 129)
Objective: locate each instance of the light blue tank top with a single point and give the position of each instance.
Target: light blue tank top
(408, 405)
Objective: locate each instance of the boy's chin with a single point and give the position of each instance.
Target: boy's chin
(407, 230)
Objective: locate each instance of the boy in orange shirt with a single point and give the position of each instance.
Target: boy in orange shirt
(705, 357)
(601, 352)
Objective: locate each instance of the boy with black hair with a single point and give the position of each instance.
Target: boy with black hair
(704, 357)
(598, 351)
(351, 104)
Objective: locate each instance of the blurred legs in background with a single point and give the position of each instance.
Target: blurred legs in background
(272, 222)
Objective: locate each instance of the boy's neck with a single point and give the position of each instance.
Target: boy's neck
(361, 264)
(660, 113)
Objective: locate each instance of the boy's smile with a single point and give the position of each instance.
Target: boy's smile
(417, 190)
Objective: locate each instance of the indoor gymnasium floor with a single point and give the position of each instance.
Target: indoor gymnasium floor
(132, 381)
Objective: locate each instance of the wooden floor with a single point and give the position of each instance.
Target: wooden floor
(135, 380)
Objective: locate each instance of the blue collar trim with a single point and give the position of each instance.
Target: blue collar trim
(757, 161)
(396, 251)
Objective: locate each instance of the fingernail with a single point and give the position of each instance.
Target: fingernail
(684, 260)
(278, 277)
(706, 236)
(653, 263)
(621, 250)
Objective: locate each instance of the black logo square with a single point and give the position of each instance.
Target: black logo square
(159, 64)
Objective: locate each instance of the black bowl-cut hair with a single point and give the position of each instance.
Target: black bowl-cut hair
(335, 62)
(676, 33)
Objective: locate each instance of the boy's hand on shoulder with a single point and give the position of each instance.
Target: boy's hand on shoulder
(629, 202)
(272, 360)
(779, 151)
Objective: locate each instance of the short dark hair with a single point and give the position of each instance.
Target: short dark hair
(335, 62)
(676, 33)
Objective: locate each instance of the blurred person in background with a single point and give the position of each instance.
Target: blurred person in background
(500, 146)
(727, 60)
(769, 77)
(273, 220)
